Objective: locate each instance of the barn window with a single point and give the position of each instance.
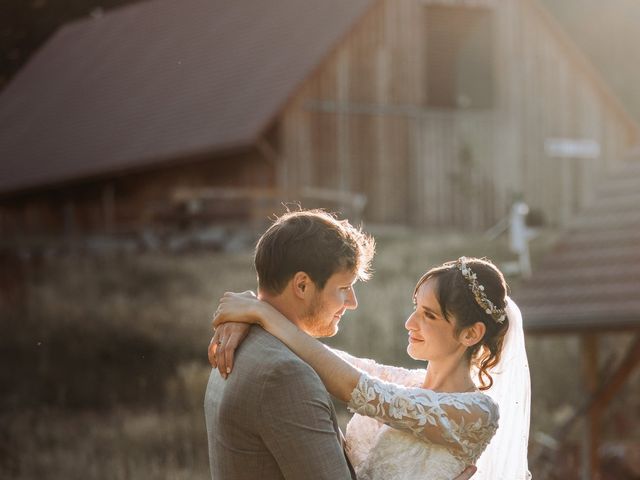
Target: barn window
(459, 51)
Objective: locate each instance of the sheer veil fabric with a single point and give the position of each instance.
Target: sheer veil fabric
(506, 456)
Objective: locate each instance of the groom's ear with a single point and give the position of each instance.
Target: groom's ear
(301, 284)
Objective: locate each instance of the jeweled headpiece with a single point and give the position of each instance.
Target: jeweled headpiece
(487, 305)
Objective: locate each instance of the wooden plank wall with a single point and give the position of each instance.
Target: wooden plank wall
(360, 124)
(131, 202)
(547, 89)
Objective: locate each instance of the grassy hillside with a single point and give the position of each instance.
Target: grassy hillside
(104, 366)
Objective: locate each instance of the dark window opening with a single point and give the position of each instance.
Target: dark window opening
(459, 63)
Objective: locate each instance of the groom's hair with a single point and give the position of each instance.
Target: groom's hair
(314, 242)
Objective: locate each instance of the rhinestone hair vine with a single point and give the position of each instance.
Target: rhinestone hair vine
(498, 314)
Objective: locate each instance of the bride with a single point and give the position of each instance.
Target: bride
(427, 423)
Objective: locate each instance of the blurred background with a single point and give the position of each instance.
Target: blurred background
(145, 145)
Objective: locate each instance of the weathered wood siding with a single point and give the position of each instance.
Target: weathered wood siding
(133, 201)
(362, 123)
(549, 90)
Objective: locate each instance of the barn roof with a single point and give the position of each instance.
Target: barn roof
(591, 280)
(160, 79)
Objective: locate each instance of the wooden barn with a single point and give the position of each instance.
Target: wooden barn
(435, 112)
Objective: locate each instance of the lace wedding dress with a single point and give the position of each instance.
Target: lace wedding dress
(401, 431)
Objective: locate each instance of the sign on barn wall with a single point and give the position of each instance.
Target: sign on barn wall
(572, 148)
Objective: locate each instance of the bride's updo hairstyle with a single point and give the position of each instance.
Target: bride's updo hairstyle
(460, 298)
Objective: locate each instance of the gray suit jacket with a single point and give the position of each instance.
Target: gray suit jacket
(272, 418)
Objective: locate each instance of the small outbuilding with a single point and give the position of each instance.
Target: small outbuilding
(589, 286)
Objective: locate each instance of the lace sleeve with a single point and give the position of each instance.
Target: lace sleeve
(388, 373)
(462, 422)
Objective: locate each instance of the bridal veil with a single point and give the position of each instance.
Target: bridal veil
(506, 456)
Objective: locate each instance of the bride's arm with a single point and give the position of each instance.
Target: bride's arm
(388, 373)
(462, 422)
(338, 376)
(231, 334)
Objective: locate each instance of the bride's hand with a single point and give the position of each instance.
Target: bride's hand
(223, 345)
(231, 322)
(240, 309)
(467, 474)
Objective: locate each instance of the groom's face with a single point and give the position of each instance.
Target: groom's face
(325, 307)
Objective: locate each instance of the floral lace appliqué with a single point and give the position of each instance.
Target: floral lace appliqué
(463, 423)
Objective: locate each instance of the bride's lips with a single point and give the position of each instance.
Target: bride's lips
(414, 339)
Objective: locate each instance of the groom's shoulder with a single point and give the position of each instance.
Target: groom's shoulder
(266, 373)
(264, 354)
(266, 349)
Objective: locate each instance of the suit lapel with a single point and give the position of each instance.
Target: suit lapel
(341, 439)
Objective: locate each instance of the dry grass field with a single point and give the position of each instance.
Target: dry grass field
(103, 366)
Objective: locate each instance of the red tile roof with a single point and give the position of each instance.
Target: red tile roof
(591, 280)
(160, 80)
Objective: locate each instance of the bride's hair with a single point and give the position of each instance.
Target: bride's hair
(456, 299)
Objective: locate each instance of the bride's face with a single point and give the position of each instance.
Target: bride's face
(431, 335)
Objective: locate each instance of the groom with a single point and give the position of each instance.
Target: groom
(273, 418)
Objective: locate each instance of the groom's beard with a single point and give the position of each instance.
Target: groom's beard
(315, 322)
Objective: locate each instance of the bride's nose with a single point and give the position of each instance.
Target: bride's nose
(410, 323)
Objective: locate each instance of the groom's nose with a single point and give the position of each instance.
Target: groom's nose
(351, 301)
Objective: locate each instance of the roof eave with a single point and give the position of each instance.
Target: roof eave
(579, 325)
(149, 164)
